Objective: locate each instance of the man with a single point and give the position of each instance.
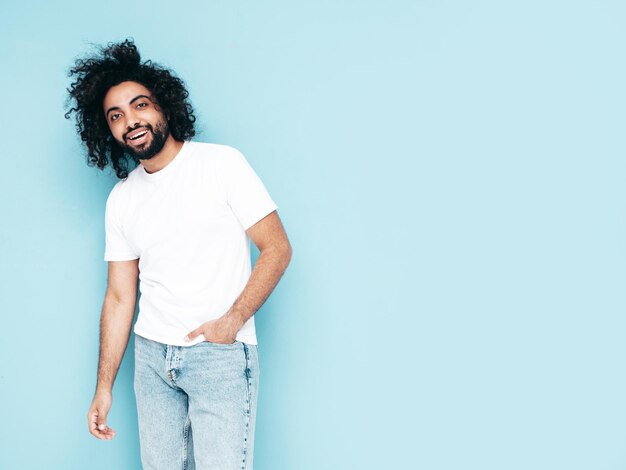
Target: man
(180, 223)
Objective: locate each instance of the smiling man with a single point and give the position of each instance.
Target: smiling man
(180, 225)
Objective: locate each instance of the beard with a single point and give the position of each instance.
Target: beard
(160, 135)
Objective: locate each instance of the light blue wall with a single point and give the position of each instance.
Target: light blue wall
(452, 177)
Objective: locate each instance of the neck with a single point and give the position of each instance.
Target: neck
(164, 157)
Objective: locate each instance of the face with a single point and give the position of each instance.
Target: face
(135, 120)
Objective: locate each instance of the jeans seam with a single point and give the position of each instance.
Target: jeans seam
(186, 442)
(247, 407)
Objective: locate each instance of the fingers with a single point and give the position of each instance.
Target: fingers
(214, 331)
(194, 334)
(101, 421)
(97, 424)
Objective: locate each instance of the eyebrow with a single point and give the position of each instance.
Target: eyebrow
(112, 108)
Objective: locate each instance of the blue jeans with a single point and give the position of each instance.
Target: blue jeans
(196, 405)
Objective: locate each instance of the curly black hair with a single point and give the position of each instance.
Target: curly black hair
(117, 63)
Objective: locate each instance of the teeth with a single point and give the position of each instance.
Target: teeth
(141, 134)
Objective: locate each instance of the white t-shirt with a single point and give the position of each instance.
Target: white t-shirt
(186, 223)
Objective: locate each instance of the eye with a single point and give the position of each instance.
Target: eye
(142, 105)
(114, 116)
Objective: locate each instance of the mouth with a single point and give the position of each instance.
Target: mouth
(138, 138)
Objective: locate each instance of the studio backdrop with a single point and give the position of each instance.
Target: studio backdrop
(451, 176)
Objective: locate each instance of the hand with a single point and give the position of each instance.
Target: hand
(97, 416)
(223, 330)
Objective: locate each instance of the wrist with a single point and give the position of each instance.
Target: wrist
(234, 320)
(102, 389)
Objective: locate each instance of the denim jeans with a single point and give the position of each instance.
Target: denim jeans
(196, 405)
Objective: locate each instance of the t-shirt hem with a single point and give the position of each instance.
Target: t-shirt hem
(248, 339)
(260, 215)
(120, 257)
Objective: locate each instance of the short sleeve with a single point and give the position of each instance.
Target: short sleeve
(245, 192)
(116, 245)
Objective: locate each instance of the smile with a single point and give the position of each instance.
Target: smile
(139, 137)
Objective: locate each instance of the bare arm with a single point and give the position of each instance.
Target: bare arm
(115, 323)
(275, 253)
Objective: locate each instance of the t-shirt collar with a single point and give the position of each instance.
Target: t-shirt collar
(169, 168)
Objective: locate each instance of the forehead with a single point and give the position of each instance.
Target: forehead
(120, 95)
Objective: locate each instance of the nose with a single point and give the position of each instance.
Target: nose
(131, 120)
